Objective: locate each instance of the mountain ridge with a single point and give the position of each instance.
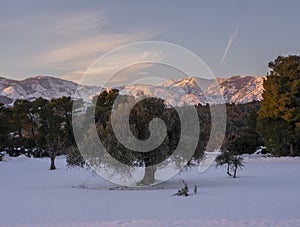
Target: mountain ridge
(235, 89)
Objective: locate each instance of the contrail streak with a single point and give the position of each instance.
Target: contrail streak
(230, 42)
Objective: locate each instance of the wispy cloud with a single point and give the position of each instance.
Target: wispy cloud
(117, 69)
(79, 23)
(88, 47)
(229, 44)
(70, 42)
(58, 27)
(75, 56)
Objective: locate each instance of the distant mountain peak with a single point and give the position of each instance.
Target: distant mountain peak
(190, 90)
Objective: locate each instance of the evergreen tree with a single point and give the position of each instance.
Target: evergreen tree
(21, 122)
(279, 115)
(142, 113)
(140, 117)
(248, 140)
(5, 125)
(55, 127)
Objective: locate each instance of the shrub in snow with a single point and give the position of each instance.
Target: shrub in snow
(224, 159)
(195, 189)
(237, 163)
(232, 161)
(39, 153)
(184, 191)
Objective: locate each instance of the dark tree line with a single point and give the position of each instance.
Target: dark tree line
(241, 134)
(44, 127)
(37, 128)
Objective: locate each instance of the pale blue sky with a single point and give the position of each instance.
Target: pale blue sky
(62, 38)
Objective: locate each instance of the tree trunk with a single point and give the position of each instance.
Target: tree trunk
(228, 172)
(32, 132)
(52, 158)
(149, 176)
(32, 126)
(20, 133)
(234, 174)
(292, 150)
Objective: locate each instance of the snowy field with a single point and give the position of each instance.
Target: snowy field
(266, 193)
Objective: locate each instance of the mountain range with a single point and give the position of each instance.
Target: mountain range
(186, 91)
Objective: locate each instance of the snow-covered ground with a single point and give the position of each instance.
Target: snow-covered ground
(266, 193)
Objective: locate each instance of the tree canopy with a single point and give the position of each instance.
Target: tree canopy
(279, 115)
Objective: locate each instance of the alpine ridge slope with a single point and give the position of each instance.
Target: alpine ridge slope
(186, 91)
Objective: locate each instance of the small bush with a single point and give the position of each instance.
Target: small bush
(232, 161)
(184, 191)
(74, 158)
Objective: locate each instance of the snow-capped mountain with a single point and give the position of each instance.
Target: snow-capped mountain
(237, 89)
(240, 89)
(191, 90)
(40, 86)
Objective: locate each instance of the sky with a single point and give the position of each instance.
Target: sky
(63, 38)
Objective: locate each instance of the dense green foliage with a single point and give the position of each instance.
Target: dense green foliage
(41, 126)
(241, 136)
(139, 120)
(279, 115)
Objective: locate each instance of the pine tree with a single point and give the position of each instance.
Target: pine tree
(279, 115)
(5, 125)
(55, 127)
